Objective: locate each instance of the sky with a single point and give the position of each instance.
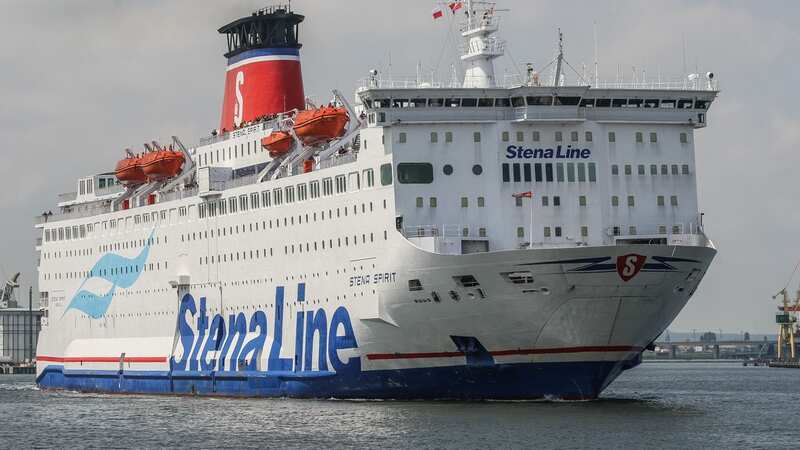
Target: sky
(81, 80)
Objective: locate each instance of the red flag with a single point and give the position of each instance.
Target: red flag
(527, 194)
(437, 13)
(455, 6)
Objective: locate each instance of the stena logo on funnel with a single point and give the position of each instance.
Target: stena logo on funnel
(238, 109)
(256, 342)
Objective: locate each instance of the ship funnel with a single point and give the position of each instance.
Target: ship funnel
(263, 75)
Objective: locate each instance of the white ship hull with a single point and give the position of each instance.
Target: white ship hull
(567, 334)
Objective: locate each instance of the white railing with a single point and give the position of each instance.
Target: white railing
(513, 81)
(445, 230)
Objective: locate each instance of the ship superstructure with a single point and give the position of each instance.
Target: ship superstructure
(470, 240)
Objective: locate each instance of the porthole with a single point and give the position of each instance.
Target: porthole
(447, 169)
(477, 169)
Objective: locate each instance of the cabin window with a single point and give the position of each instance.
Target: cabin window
(432, 202)
(653, 169)
(464, 202)
(614, 200)
(448, 136)
(631, 201)
(660, 200)
(477, 169)
(482, 232)
(254, 203)
(640, 169)
(341, 184)
(547, 232)
(628, 169)
(368, 175)
(313, 186)
(588, 136)
(520, 232)
(653, 138)
(401, 138)
(481, 202)
(415, 173)
(447, 169)
(684, 138)
(419, 202)
(386, 174)
(327, 186)
(476, 136)
(354, 181)
(536, 136)
(612, 137)
(559, 136)
(556, 200)
(673, 200)
(592, 172)
(664, 170)
(570, 172)
(517, 175)
(504, 136)
(434, 137)
(560, 172)
(548, 172)
(520, 136)
(584, 231)
(526, 172)
(545, 200)
(277, 196)
(639, 137)
(573, 136)
(674, 169)
(685, 169)
(414, 285)
(506, 173)
(614, 169)
(243, 203)
(631, 230)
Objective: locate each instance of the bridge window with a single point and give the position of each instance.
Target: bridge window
(452, 102)
(567, 101)
(619, 102)
(542, 100)
(485, 102)
(603, 102)
(436, 102)
(415, 173)
(517, 102)
(587, 103)
(418, 102)
(651, 103)
(635, 103)
(669, 104)
(414, 285)
(701, 104)
(502, 103)
(685, 103)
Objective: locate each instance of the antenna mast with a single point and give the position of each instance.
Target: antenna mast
(560, 59)
(596, 75)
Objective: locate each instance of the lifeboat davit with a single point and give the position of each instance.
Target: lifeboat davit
(277, 143)
(161, 164)
(129, 171)
(315, 126)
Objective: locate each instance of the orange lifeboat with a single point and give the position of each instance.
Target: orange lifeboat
(277, 143)
(129, 171)
(161, 164)
(315, 126)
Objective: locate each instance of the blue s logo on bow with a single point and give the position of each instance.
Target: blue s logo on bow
(119, 271)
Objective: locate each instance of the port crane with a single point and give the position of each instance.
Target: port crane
(7, 298)
(786, 318)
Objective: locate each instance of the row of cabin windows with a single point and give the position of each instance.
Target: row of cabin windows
(558, 136)
(83, 231)
(433, 202)
(224, 154)
(402, 137)
(541, 100)
(555, 201)
(553, 231)
(290, 249)
(276, 223)
(287, 194)
(641, 169)
(111, 271)
(549, 172)
(673, 200)
(631, 230)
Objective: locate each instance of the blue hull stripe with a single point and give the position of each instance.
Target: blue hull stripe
(568, 380)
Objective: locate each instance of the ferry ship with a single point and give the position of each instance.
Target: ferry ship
(476, 239)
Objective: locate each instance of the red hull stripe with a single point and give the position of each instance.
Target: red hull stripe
(103, 359)
(521, 351)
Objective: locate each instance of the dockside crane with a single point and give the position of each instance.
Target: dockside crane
(786, 318)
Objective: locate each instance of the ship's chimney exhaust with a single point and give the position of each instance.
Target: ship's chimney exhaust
(263, 75)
